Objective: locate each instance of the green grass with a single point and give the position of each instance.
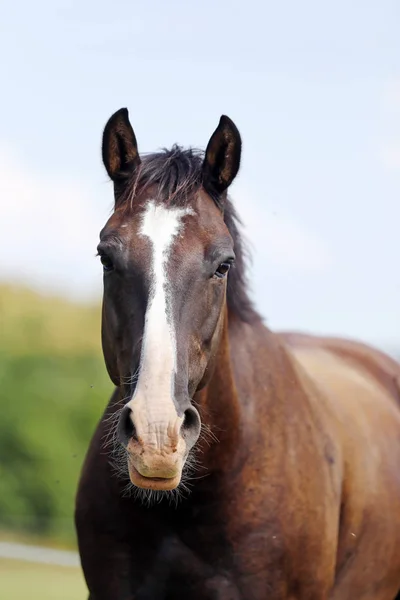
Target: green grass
(22, 580)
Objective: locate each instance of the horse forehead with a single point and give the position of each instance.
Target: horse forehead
(196, 224)
(161, 224)
(154, 220)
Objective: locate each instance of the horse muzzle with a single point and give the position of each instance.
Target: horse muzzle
(157, 448)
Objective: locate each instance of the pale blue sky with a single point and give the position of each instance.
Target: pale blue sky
(314, 88)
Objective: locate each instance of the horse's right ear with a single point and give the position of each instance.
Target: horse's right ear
(119, 147)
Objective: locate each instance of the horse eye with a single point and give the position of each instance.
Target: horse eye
(106, 262)
(222, 270)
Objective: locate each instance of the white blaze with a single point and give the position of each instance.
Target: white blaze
(152, 405)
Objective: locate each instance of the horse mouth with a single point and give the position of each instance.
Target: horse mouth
(153, 483)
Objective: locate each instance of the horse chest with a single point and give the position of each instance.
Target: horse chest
(178, 571)
(208, 572)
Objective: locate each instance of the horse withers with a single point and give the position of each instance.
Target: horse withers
(231, 463)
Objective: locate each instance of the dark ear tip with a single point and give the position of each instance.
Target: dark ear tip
(227, 123)
(121, 113)
(225, 120)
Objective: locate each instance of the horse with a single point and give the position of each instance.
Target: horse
(232, 462)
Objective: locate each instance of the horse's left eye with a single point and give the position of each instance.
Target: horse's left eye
(222, 270)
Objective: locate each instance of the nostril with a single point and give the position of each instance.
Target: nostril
(191, 424)
(126, 428)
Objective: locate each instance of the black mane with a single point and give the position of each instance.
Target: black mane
(177, 173)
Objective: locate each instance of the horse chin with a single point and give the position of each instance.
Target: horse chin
(161, 484)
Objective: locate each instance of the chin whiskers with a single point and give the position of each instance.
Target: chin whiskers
(119, 458)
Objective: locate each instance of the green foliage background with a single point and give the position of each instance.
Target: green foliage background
(53, 388)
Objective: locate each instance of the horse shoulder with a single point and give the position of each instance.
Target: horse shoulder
(357, 392)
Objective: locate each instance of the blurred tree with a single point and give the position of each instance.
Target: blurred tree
(53, 386)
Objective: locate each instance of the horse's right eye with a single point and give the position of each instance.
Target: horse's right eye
(106, 262)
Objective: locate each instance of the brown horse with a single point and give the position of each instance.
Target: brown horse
(231, 462)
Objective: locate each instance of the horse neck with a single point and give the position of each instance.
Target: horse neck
(250, 380)
(219, 407)
(221, 402)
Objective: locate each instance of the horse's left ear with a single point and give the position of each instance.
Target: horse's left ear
(222, 158)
